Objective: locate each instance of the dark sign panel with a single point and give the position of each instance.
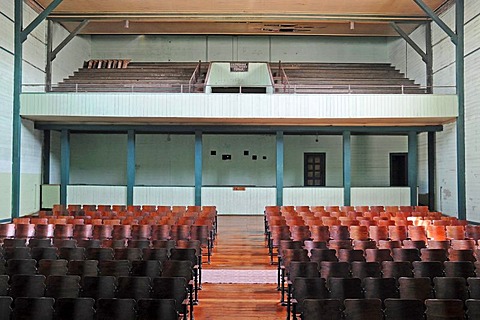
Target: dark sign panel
(238, 66)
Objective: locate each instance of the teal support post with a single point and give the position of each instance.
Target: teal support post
(347, 168)
(20, 35)
(64, 166)
(17, 124)
(280, 157)
(413, 166)
(460, 67)
(130, 166)
(198, 167)
(46, 157)
(431, 170)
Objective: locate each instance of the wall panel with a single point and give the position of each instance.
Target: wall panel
(169, 196)
(89, 194)
(248, 201)
(399, 196)
(312, 196)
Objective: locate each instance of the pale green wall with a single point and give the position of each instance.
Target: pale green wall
(296, 146)
(165, 160)
(169, 160)
(241, 48)
(98, 159)
(241, 169)
(371, 159)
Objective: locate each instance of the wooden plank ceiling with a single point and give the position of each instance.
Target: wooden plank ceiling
(247, 17)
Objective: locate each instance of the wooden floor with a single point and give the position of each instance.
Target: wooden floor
(240, 245)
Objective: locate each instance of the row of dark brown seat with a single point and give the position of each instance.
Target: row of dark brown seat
(47, 308)
(393, 309)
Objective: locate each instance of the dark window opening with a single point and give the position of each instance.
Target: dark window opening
(237, 90)
(398, 169)
(314, 169)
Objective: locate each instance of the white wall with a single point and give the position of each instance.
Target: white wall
(241, 48)
(444, 75)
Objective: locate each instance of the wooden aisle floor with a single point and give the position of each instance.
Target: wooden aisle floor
(240, 245)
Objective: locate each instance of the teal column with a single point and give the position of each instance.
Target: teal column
(413, 166)
(431, 170)
(130, 166)
(280, 157)
(460, 75)
(198, 167)
(46, 157)
(347, 168)
(64, 166)
(16, 125)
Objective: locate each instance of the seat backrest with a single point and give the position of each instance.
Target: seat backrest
(314, 309)
(178, 268)
(38, 308)
(52, 267)
(98, 287)
(444, 309)
(451, 288)
(23, 285)
(415, 288)
(6, 306)
(147, 268)
(345, 288)
(74, 309)
(380, 288)
(69, 253)
(164, 309)
(99, 254)
(21, 266)
(358, 309)
(83, 267)
(133, 287)
(308, 288)
(401, 309)
(116, 309)
(116, 268)
(170, 288)
(63, 286)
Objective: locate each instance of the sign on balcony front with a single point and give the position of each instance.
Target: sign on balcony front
(238, 66)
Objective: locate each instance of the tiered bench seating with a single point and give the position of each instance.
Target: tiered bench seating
(132, 77)
(341, 78)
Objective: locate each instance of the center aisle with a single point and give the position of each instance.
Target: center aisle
(240, 245)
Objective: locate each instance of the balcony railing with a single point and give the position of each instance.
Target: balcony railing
(277, 88)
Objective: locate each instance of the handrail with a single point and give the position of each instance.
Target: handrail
(195, 75)
(182, 88)
(283, 77)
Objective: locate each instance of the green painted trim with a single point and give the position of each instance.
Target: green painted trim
(279, 166)
(17, 123)
(130, 166)
(413, 167)
(65, 166)
(347, 169)
(198, 167)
